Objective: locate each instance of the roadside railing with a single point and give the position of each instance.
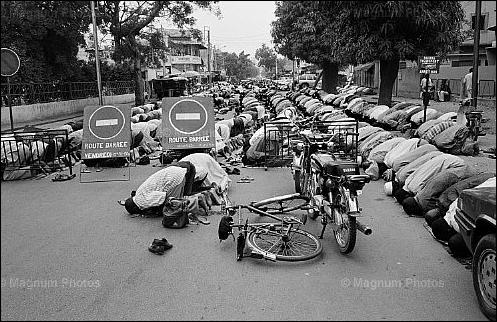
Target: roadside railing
(33, 93)
(35, 151)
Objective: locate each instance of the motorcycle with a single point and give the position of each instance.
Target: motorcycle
(327, 172)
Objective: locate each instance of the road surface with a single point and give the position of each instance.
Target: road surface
(70, 252)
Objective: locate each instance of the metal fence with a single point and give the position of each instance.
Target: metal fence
(279, 137)
(37, 151)
(33, 93)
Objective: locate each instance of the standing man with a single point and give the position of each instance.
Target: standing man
(468, 83)
(426, 86)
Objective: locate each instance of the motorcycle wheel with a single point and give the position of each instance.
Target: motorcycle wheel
(345, 236)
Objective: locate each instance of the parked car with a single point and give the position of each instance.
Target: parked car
(306, 80)
(475, 215)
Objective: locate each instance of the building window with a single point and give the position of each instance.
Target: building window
(482, 22)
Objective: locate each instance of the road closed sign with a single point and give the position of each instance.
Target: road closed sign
(106, 132)
(188, 123)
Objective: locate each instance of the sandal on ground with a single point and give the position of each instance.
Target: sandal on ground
(63, 177)
(121, 202)
(156, 249)
(163, 243)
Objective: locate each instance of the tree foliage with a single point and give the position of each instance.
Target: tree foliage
(46, 36)
(404, 30)
(239, 66)
(351, 32)
(266, 57)
(125, 20)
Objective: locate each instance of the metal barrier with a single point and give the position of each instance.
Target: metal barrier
(39, 151)
(278, 140)
(33, 93)
(277, 150)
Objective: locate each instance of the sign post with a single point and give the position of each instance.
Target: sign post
(428, 65)
(10, 65)
(188, 123)
(106, 132)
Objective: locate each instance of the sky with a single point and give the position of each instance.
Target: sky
(243, 25)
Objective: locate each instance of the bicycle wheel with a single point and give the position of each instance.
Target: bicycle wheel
(282, 204)
(299, 245)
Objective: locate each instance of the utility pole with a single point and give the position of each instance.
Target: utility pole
(293, 73)
(214, 58)
(208, 30)
(276, 68)
(209, 57)
(97, 59)
(476, 55)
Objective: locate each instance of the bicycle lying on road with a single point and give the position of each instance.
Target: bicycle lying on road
(282, 240)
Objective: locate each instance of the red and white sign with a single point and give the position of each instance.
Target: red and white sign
(10, 62)
(106, 132)
(188, 123)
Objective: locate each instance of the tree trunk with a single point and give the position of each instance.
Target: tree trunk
(388, 74)
(139, 88)
(330, 77)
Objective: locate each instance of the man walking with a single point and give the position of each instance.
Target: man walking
(426, 86)
(468, 83)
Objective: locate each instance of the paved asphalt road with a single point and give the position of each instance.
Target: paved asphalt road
(70, 252)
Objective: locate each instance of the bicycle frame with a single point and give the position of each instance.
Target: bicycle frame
(287, 224)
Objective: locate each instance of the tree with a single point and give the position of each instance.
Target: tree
(125, 20)
(46, 36)
(391, 31)
(334, 33)
(240, 66)
(266, 57)
(312, 31)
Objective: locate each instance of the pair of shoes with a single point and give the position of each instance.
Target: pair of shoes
(159, 246)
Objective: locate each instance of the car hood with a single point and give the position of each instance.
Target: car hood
(477, 201)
